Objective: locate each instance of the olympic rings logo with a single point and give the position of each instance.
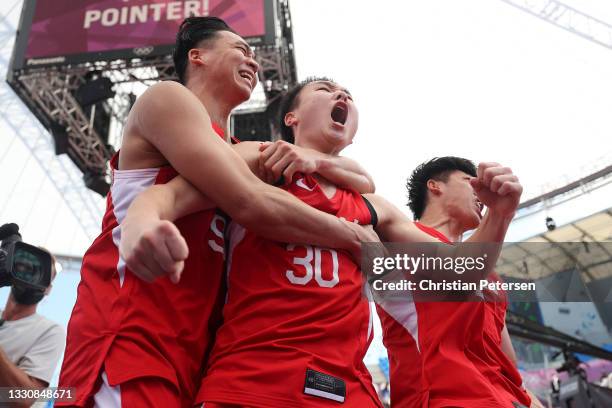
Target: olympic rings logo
(143, 51)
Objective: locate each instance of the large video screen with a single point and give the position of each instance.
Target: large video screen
(57, 32)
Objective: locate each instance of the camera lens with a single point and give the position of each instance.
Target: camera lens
(27, 267)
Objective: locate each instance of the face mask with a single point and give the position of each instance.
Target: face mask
(26, 296)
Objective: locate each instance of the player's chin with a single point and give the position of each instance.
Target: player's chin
(243, 91)
(341, 135)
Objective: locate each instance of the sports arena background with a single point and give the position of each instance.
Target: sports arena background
(508, 81)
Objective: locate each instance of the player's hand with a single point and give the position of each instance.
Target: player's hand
(284, 159)
(153, 249)
(497, 188)
(365, 234)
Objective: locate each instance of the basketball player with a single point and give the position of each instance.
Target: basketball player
(131, 343)
(468, 357)
(296, 324)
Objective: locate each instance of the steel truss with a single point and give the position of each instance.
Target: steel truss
(568, 18)
(49, 92)
(64, 176)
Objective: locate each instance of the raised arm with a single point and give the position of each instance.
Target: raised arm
(495, 186)
(500, 191)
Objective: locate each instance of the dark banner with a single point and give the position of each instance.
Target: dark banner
(65, 31)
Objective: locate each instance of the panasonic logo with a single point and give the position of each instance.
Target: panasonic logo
(42, 61)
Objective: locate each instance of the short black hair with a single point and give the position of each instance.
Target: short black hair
(289, 102)
(192, 32)
(438, 168)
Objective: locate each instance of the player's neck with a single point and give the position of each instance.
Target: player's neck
(16, 311)
(435, 217)
(218, 107)
(318, 144)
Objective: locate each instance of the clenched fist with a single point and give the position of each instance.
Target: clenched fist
(153, 249)
(497, 188)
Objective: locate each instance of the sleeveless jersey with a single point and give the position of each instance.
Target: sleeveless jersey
(497, 366)
(449, 353)
(129, 328)
(297, 321)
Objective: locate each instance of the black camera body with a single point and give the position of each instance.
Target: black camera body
(24, 267)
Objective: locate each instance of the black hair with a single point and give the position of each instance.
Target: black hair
(289, 102)
(438, 168)
(192, 32)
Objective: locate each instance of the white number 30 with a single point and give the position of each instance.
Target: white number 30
(306, 262)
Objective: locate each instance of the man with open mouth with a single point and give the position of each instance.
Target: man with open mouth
(296, 322)
(135, 340)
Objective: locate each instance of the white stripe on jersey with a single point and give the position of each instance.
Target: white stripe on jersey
(404, 312)
(368, 293)
(127, 184)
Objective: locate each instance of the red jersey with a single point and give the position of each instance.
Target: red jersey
(460, 345)
(297, 319)
(497, 366)
(400, 323)
(130, 328)
(400, 337)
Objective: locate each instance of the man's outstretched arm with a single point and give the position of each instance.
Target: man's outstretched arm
(153, 246)
(173, 120)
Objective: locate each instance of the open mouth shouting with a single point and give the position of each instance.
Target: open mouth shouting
(339, 113)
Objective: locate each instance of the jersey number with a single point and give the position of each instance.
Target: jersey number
(217, 226)
(313, 253)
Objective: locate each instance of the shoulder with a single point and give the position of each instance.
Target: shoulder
(165, 94)
(388, 214)
(376, 200)
(165, 87)
(49, 328)
(380, 204)
(167, 106)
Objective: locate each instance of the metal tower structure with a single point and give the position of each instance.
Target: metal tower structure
(57, 121)
(567, 18)
(85, 130)
(66, 178)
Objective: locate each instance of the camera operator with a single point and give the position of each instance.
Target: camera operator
(30, 344)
